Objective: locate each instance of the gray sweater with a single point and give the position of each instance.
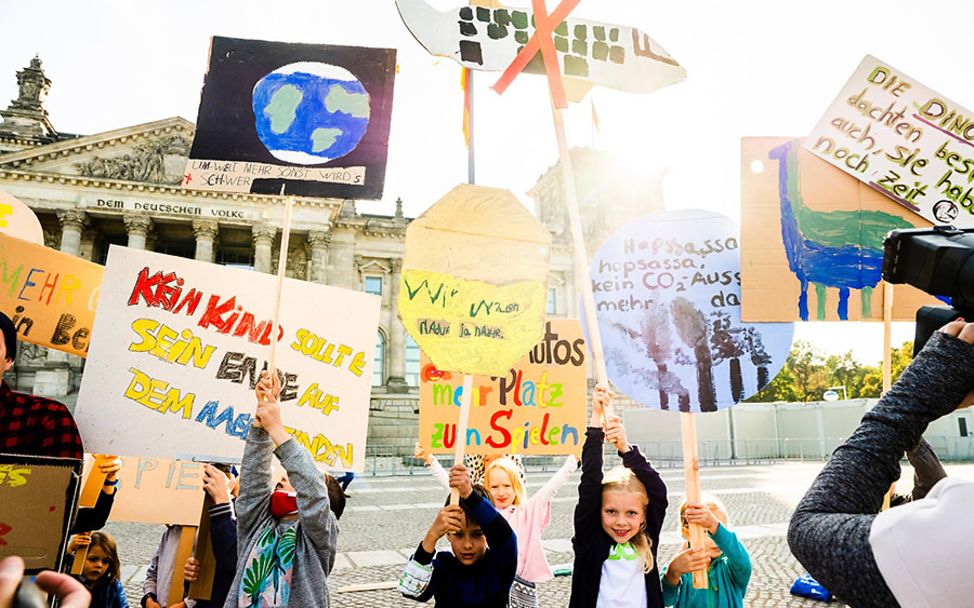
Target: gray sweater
(317, 528)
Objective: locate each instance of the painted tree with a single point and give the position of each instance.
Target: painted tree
(727, 344)
(692, 329)
(759, 356)
(658, 342)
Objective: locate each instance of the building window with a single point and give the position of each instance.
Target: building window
(106, 241)
(182, 249)
(412, 361)
(373, 285)
(379, 361)
(236, 257)
(552, 298)
(963, 426)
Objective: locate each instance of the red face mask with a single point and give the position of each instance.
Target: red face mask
(283, 503)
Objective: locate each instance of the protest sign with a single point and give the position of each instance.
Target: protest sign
(667, 296)
(157, 491)
(483, 38)
(313, 117)
(179, 346)
(50, 296)
(812, 239)
(474, 281)
(38, 496)
(903, 139)
(538, 407)
(17, 220)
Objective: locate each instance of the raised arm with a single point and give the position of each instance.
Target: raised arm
(546, 492)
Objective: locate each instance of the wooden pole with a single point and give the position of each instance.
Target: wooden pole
(582, 277)
(187, 534)
(88, 498)
(460, 444)
(888, 359)
(471, 165)
(281, 269)
(691, 472)
(202, 588)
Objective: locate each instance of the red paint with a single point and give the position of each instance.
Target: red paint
(431, 374)
(517, 387)
(4, 528)
(51, 509)
(505, 434)
(544, 429)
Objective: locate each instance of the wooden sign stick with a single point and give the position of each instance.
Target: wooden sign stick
(281, 269)
(691, 472)
(202, 588)
(460, 443)
(582, 276)
(888, 359)
(88, 498)
(184, 549)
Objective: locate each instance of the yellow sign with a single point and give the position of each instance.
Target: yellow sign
(474, 281)
(50, 296)
(18, 221)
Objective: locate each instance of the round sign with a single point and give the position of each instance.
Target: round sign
(830, 395)
(18, 221)
(668, 296)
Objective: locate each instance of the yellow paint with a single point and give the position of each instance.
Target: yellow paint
(158, 395)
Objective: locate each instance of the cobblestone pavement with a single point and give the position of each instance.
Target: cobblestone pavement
(386, 518)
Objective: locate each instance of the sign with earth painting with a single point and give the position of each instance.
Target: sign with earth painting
(311, 117)
(667, 290)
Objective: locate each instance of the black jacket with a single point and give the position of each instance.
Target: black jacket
(591, 543)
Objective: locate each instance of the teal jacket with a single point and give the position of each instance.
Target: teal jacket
(728, 577)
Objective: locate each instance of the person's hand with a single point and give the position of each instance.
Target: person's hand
(460, 479)
(419, 452)
(702, 516)
(615, 434)
(151, 603)
(448, 521)
(191, 570)
(78, 541)
(960, 329)
(602, 397)
(215, 484)
(70, 591)
(268, 413)
(110, 465)
(268, 387)
(688, 560)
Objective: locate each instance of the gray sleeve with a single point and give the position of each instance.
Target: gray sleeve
(255, 482)
(314, 509)
(829, 531)
(149, 584)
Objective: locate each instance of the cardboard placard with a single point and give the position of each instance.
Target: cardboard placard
(474, 281)
(667, 295)
(179, 346)
(17, 220)
(157, 491)
(312, 116)
(37, 502)
(590, 53)
(812, 239)
(903, 139)
(538, 407)
(50, 296)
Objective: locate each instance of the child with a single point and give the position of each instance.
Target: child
(282, 529)
(729, 563)
(617, 521)
(479, 572)
(101, 571)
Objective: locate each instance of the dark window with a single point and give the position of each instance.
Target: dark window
(963, 427)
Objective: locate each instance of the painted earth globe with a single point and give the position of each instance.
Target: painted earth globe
(309, 113)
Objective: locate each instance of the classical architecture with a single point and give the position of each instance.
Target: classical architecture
(123, 187)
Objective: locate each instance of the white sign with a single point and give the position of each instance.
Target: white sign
(178, 346)
(902, 139)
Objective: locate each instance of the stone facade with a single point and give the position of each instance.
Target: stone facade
(122, 188)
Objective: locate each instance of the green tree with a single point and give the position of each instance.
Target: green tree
(872, 383)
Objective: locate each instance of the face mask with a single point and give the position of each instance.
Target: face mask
(283, 503)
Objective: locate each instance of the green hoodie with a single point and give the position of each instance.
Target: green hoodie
(728, 576)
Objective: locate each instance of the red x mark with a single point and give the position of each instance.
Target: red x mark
(544, 25)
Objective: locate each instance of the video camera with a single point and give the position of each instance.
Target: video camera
(939, 261)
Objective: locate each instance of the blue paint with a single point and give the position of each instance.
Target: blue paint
(235, 427)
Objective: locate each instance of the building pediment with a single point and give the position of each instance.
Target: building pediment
(151, 153)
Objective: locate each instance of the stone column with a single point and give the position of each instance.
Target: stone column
(397, 343)
(73, 221)
(138, 228)
(318, 241)
(263, 241)
(205, 232)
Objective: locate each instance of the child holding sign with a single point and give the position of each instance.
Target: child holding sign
(480, 570)
(288, 529)
(101, 572)
(617, 521)
(723, 555)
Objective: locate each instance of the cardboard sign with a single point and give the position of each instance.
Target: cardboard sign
(591, 53)
(812, 239)
(179, 346)
(157, 491)
(538, 407)
(903, 139)
(474, 281)
(37, 500)
(667, 295)
(17, 220)
(50, 296)
(312, 116)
